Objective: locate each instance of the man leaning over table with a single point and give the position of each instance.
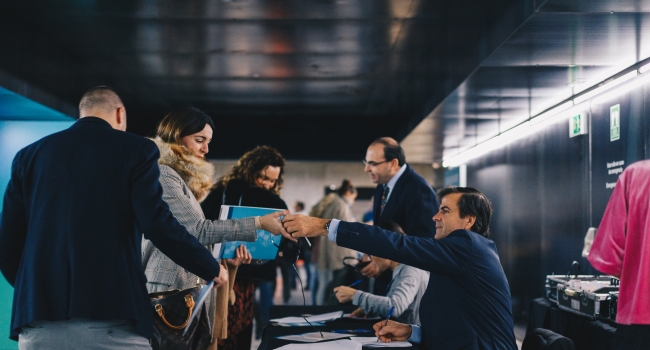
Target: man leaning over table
(468, 304)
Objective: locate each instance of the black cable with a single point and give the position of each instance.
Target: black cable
(304, 302)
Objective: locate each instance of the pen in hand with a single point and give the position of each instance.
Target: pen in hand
(350, 285)
(354, 283)
(390, 312)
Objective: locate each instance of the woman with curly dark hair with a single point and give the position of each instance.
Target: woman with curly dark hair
(255, 181)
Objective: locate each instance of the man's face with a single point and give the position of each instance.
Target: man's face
(267, 177)
(377, 167)
(448, 218)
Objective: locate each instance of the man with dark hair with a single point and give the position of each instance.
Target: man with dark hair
(467, 302)
(75, 209)
(402, 196)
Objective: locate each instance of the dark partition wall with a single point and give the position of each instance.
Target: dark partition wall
(548, 189)
(614, 148)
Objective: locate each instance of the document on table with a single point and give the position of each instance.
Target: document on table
(299, 320)
(371, 318)
(371, 342)
(314, 337)
(341, 344)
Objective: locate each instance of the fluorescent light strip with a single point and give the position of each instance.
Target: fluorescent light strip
(644, 68)
(551, 116)
(561, 108)
(601, 89)
(640, 80)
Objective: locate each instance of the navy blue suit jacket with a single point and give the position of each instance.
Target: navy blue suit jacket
(467, 302)
(411, 204)
(74, 212)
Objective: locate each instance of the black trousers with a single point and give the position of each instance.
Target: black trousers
(631, 337)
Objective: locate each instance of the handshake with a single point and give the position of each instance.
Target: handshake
(292, 227)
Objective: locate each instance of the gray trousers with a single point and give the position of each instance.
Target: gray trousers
(80, 333)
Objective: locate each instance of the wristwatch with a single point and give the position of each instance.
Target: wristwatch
(327, 226)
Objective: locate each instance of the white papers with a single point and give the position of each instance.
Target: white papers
(300, 321)
(362, 318)
(371, 342)
(314, 337)
(342, 344)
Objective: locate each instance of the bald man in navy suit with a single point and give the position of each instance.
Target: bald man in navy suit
(74, 214)
(402, 196)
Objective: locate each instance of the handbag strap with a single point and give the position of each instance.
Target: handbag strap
(223, 196)
(189, 302)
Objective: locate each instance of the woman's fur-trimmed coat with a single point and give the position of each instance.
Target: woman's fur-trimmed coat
(184, 179)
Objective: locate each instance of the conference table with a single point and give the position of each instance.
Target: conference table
(269, 340)
(587, 332)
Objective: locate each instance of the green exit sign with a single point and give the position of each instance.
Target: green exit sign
(577, 125)
(614, 123)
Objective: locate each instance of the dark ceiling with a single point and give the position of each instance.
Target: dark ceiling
(320, 79)
(317, 79)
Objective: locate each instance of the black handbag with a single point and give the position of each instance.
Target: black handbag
(172, 311)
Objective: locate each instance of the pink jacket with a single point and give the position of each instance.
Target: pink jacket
(622, 243)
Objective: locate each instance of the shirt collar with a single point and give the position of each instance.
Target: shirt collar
(93, 120)
(393, 180)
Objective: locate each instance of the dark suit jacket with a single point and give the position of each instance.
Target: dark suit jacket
(411, 204)
(467, 302)
(74, 212)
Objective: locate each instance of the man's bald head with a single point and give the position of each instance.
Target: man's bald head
(103, 102)
(392, 149)
(100, 97)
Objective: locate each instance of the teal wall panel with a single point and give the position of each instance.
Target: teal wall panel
(14, 135)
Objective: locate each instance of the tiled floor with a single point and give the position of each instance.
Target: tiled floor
(297, 299)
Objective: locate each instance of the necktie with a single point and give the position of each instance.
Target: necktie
(384, 197)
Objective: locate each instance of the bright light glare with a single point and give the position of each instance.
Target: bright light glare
(620, 90)
(561, 108)
(644, 68)
(616, 82)
(557, 114)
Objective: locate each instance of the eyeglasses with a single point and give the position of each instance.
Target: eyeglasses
(371, 163)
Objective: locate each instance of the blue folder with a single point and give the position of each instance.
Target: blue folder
(266, 245)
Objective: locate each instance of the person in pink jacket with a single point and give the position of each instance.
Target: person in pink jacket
(622, 249)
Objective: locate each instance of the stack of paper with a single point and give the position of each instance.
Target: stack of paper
(365, 318)
(342, 344)
(314, 337)
(371, 342)
(314, 319)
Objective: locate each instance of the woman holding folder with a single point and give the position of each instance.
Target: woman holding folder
(186, 178)
(255, 181)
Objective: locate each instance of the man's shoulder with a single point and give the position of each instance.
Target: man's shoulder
(413, 271)
(479, 243)
(413, 176)
(642, 167)
(413, 182)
